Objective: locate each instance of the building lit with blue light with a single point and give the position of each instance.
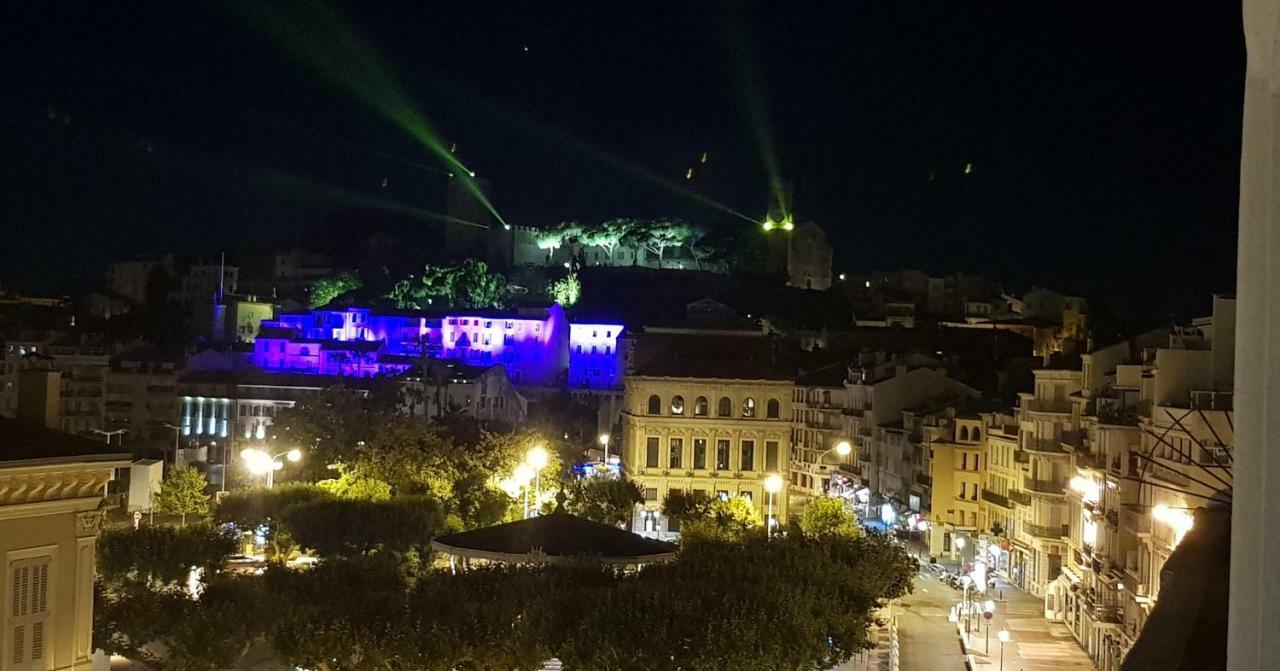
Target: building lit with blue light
(537, 347)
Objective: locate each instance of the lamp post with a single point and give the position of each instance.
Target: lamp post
(772, 485)
(522, 477)
(537, 460)
(259, 462)
(959, 545)
(842, 448)
(988, 612)
(604, 442)
(1003, 635)
(964, 601)
(177, 432)
(109, 434)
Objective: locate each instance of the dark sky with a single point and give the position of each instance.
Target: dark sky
(1103, 139)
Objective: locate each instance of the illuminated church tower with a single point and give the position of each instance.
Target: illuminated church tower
(798, 251)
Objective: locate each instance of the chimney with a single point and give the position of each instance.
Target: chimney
(40, 397)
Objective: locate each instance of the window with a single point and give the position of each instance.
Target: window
(651, 453)
(676, 453)
(748, 462)
(650, 494)
(723, 495)
(771, 455)
(977, 433)
(724, 408)
(745, 495)
(964, 462)
(774, 409)
(655, 405)
(699, 453)
(677, 405)
(748, 407)
(722, 454)
(964, 433)
(700, 406)
(28, 610)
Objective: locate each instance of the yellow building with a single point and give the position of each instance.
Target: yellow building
(956, 471)
(718, 424)
(1001, 496)
(51, 485)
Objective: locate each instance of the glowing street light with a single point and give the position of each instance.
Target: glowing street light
(988, 612)
(1003, 635)
(772, 485)
(259, 462)
(604, 442)
(523, 474)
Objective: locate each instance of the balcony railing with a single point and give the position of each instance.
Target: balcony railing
(992, 497)
(1053, 447)
(1055, 487)
(1049, 532)
(1019, 497)
(1113, 518)
(1042, 405)
(1167, 474)
(1021, 457)
(925, 480)
(1136, 518)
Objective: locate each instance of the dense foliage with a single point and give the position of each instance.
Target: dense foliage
(796, 603)
(328, 289)
(468, 285)
(829, 516)
(605, 500)
(160, 555)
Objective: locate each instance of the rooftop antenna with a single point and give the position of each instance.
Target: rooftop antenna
(222, 276)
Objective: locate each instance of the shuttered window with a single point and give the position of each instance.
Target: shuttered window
(27, 612)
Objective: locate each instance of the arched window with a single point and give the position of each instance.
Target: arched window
(655, 405)
(964, 433)
(677, 405)
(748, 407)
(725, 407)
(773, 409)
(977, 433)
(700, 406)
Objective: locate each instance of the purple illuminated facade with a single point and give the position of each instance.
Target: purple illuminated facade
(594, 359)
(537, 347)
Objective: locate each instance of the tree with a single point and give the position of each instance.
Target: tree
(604, 499)
(252, 508)
(351, 485)
(828, 516)
(328, 289)
(607, 235)
(160, 556)
(478, 288)
(685, 506)
(726, 520)
(345, 527)
(567, 290)
(469, 285)
(182, 493)
(331, 424)
(659, 234)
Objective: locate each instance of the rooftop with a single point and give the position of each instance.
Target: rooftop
(26, 441)
(555, 537)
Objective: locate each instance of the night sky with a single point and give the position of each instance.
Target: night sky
(1103, 140)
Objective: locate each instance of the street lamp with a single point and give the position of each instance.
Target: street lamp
(1003, 635)
(260, 463)
(988, 612)
(537, 459)
(964, 601)
(524, 473)
(109, 434)
(177, 431)
(772, 485)
(604, 442)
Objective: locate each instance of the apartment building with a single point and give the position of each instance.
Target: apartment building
(709, 411)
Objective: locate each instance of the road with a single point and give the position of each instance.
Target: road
(928, 642)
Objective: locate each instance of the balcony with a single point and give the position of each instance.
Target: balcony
(1049, 487)
(864, 455)
(992, 497)
(1136, 518)
(1113, 518)
(1167, 474)
(925, 480)
(1019, 497)
(1045, 447)
(1092, 460)
(1042, 405)
(1048, 532)
(1021, 457)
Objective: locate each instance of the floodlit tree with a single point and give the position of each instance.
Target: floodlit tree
(160, 556)
(828, 516)
(328, 289)
(658, 235)
(182, 493)
(469, 285)
(604, 499)
(607, 235)
(567, 290)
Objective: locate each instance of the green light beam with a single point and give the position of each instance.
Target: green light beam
(752, 99)
(317, 35)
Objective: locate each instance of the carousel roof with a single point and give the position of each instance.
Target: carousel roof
(558, 536)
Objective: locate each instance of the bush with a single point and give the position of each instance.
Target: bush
(160, 555)
(347, 527)
(254, 507)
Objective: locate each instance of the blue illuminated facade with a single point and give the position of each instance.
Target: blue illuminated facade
(537, 347)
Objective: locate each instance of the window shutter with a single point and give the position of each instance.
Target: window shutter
(28, 610)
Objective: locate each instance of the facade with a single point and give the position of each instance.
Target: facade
(141, 395)
(719, 436)
(82, 370)
(956, 474)
(51, 486)
(809, 258)
(483, 393)
(818, 426)
(706, 411)
(128, 279)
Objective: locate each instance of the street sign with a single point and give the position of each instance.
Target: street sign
(137, 518)
(987, 615)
